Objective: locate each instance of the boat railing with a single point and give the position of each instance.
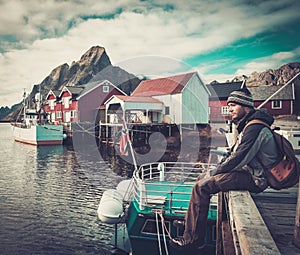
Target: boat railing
(166, 186)
(20, 125)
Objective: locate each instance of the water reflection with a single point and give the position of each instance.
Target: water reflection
(49, 195)
(49, 198)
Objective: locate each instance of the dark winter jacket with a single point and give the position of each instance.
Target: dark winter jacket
(254, 145)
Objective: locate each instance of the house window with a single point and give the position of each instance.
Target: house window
(58, 115)
(105, 89)
(167, 110)
(51, 103)
(73, 114)
(225, 110)
(65, 101)
(276, 104)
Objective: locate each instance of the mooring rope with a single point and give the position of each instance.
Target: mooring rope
(158, 233)
(164, 224)
(163, 233)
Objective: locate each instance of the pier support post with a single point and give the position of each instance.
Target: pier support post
(297, 222)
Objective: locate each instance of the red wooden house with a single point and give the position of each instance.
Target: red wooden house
(50, 107)
(281, 103)
(218, 110)
(79, 103)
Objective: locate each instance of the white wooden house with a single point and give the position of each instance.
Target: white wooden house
(179, 99)
(136, 109)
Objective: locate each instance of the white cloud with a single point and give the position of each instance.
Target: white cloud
(271, 62)
(141, 29)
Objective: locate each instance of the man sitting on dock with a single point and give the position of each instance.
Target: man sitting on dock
(240, 170)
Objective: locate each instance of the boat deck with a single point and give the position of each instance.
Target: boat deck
(167, 187)
(278, 210)
(171, 197)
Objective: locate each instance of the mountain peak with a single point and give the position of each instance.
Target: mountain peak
(93, 62)
(93, 55)
(90, 63)
(278, 76)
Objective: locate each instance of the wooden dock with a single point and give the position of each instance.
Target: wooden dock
(256, 224)
(278, 210)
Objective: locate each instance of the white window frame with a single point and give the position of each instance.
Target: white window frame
(66, 102)
(58, 114)
(105, 88)
(52, 104)
(225, 110)
(73, 114)
(274, 104)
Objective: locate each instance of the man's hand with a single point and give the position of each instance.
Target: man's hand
(201, 176)
(213, 172)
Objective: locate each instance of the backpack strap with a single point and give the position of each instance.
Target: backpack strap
(256, 122)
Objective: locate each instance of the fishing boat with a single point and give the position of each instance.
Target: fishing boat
(35, 129)
(150, 208)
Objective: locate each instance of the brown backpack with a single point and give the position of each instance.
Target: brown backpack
(285, 173)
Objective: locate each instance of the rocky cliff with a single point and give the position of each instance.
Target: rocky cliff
(93, 65)
(274, 77)
(278, 76)
(80, 72)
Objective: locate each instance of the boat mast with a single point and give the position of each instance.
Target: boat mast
(24, 104)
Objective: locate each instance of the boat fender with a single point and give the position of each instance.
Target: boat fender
(125, 188)
(110, 209)
(161, 169)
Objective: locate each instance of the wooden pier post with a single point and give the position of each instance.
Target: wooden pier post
(297, 222)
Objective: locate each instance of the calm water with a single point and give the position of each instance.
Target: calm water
(49, 198)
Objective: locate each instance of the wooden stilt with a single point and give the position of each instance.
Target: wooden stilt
(297, 222)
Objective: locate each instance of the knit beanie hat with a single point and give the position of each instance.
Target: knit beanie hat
(242, 97)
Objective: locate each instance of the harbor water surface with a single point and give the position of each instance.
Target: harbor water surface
(49, 197)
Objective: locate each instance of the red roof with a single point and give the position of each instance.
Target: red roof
(163, 86)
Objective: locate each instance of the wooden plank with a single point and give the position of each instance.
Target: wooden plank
(278, 209)
(228, 240)
(219, 241)
(254, 237)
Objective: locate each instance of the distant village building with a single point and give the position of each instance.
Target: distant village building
(79, 103)
(282, 103)
(179, 99)
(218, 109)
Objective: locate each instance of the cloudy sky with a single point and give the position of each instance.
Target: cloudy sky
(220, 39)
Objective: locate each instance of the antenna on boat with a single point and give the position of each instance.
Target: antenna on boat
(263, 103)
(24, 104)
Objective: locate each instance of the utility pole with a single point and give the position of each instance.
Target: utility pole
(297, 222)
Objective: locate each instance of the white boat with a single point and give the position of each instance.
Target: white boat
(38, 134)
(34, 128)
